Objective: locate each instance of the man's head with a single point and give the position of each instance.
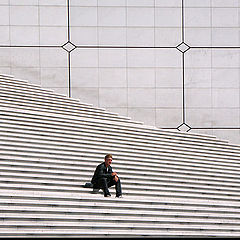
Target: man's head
(108, 160)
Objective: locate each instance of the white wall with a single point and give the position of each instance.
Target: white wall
(127, 59)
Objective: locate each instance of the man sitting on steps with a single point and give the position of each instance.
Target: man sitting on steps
(104, 177)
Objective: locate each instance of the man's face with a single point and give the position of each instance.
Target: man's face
(108, 161)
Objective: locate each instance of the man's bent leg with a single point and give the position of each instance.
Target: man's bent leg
(104, 185)
(117, 186)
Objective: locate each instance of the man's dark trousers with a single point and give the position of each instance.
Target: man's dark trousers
(105, 183)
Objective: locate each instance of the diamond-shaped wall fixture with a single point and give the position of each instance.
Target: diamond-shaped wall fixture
(184, 127)
(183, 47)
(68, 46)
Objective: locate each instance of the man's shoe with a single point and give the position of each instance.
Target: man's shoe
(107, 195)
(120, 196)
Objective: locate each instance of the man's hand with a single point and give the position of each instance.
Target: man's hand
(116, 178)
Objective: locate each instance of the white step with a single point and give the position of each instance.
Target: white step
(88, 197)
(55, 211)
(118, 226)
(47, 219)
(11, 97)
(24, 174)
(12, 123)
(92, 142)
(85, 147)
(48, 109)
(52, 119)
(45, 114)
(41, 95)
(112, 233)
(194, 133)
(22, 90)
(6, 76)
(24, 85)
(196, 171)
(174, 192)
(91, 132)
(15, 83)
(47, 94)
(128, 210)
(65, 106)
(173, 183)
(120, 162)
(8, 101)
(126, 185)
(63, 102)
(165, 130)
(61, 176)
(86, 177)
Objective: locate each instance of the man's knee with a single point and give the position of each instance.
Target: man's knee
(117, 181)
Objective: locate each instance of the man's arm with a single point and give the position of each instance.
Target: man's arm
(114, 175)
(111, 171)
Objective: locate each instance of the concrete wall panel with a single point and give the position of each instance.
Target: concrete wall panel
(164, 62)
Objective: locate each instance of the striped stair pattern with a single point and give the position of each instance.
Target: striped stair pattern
(174, 184)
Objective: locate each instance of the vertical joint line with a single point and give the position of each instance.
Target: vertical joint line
(183, 87)
(69, 56)
(68, 19)
(182, 20)
(69, 74)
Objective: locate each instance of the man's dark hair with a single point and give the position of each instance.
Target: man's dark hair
(108, 156)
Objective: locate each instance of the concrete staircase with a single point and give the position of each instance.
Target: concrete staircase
(174, 184)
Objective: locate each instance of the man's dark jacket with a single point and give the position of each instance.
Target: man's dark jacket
(101, 172)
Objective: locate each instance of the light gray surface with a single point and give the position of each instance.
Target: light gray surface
(143, 83)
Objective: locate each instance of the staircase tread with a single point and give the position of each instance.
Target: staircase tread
(176, 183)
